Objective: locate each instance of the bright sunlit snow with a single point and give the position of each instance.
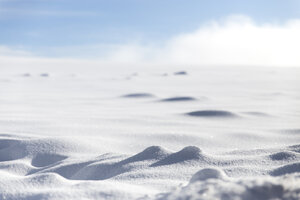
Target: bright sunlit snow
(160, 100)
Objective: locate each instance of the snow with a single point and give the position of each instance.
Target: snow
(127, 132)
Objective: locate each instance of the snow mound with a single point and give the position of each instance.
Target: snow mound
(284, 155)
(42, 160)
(295, 148)
(180, 73)
(212, 114)
(12, 149)
(100, 171)
(153, 152)
(26, 75)
(187, 153)
(177, 99)
(286, 169)
(258, 114)
(65, 170)
(286, 188)
(44, 75)
(16, 168)
(107, 168)
(138, 95)
(208, 173)
(41, 151)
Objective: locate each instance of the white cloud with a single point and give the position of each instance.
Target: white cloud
(235, 40)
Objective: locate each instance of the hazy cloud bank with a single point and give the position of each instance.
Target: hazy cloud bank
(235, 40)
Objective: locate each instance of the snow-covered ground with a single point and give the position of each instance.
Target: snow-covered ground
(142, 132)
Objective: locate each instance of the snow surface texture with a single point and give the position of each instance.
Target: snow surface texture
(149, 133)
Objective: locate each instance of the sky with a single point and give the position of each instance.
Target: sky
(167, 31)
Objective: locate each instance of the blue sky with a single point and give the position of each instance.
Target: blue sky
(58, 27)
(34, 23)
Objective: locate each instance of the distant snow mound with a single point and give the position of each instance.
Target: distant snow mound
(295, 148)
(187, 153)
(176, 99)
(208, 173)
(284, 155)
(258, 114)
(292, 131)
(44, 75)
(180, 73)
(286, 169)
(26, 75)
(138, 95)
(212, 114)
